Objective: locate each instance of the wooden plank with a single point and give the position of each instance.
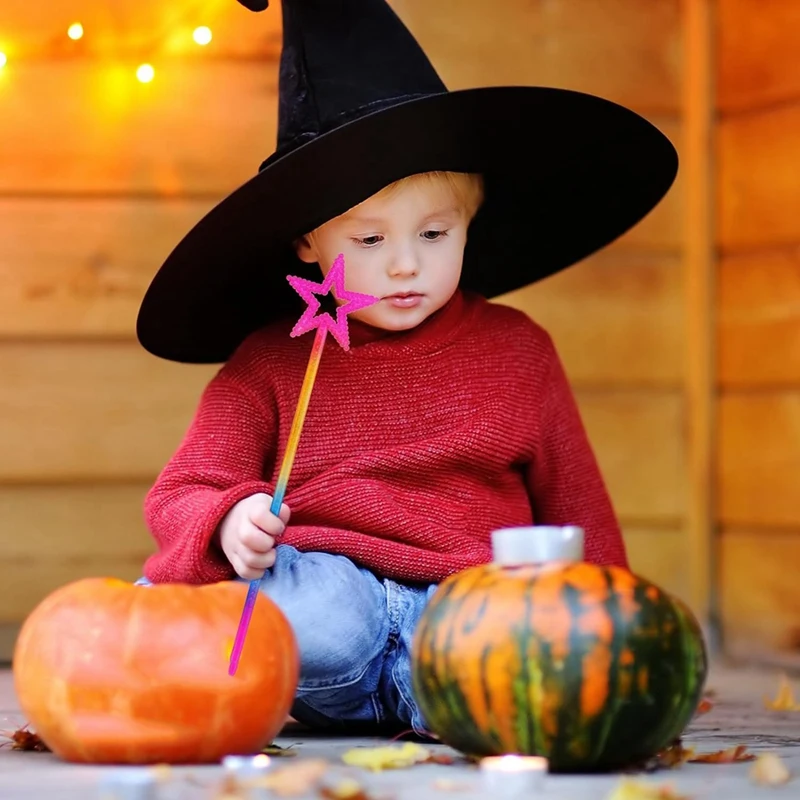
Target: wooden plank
(80, 268)
(173, 137)
(758, 459)
(70, 532)
(760, 599)
(555, 43)
(659, 554)
(73, 524)
(757, 62)
(621, 49)
(639, 441)
(617, 319)
(758, 333)
(107, 411)
(698, 277)
(758, 188)
(111, 412)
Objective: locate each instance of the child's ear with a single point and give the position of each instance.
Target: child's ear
(305, 252)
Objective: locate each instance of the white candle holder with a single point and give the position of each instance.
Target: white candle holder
(513, 775)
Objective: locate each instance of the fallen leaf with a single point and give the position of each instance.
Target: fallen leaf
(281, 752)
(162, 773)
(439, 758)
(23, 739)
(730, 756)
(380, 758)
(636, 790)
(295, 780)
(449, 785)
(704, 706)
(345, 790)
(230, 790)
(674, 755)
(784, 699)
(769, 770)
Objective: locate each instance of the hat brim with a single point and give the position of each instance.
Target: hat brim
(566, 173)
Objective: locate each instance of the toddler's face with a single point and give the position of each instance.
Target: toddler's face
(405, 247)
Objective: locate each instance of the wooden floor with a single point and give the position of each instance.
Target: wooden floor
(738, 717)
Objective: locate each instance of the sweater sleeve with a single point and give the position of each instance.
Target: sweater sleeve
(564, 478)
(220, 461)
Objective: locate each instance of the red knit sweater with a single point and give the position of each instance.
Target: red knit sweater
(415, 447)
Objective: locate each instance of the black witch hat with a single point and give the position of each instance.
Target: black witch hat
(360, 107)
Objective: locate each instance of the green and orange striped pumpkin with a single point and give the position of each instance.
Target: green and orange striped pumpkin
(592, 667)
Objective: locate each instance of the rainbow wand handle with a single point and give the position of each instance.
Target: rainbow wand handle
(280, 486)
(347, 302)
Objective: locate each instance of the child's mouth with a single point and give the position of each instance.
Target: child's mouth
(404, 299)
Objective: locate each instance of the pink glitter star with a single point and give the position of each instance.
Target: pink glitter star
(333, 280)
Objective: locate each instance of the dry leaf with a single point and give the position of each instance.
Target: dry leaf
(769, 770)
(162, 773)
(674, 755)
(23, 739)
(297, 779)
(380, 758)
(344, 790)
(274, 750)
(784, 699)
(448, 785)
(230, 790)
(730, 756)
(704, 706)
(440, 758)
(636, 790)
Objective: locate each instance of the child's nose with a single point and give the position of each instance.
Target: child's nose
(404, 264)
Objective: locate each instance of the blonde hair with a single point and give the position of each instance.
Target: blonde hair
(466, 187)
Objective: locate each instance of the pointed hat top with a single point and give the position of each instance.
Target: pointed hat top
(342, 59)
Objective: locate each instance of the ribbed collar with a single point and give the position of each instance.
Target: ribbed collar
(436, 332)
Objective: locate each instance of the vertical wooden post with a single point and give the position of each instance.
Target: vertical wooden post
(699, 265)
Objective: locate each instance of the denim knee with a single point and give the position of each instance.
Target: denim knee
(338, 613)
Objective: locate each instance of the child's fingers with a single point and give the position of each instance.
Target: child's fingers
(263, 518)
(255, 539)
(251, 565)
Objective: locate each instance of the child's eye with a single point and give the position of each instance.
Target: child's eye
(369, 241)
(432, 236)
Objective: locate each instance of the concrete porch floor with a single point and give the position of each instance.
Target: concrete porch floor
(738, 717)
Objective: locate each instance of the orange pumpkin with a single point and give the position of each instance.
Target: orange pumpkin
(109, 672)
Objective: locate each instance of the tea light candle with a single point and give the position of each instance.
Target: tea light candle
(246, 766)
(513, 775)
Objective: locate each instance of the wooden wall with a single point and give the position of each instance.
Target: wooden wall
(100, 176)
(758, 302)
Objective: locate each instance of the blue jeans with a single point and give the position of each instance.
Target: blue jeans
(354, 634)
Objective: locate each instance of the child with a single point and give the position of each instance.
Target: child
(449, 416)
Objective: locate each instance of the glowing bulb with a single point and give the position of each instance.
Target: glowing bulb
(145, 73)
(202, 35)
(75, 31)
(3, 60)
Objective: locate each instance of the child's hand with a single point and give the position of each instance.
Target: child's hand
(247, 535)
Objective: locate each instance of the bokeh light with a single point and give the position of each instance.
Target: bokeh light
(145, 73)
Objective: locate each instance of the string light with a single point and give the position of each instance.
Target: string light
(161, 43)
(145, 73)
(202, 35)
